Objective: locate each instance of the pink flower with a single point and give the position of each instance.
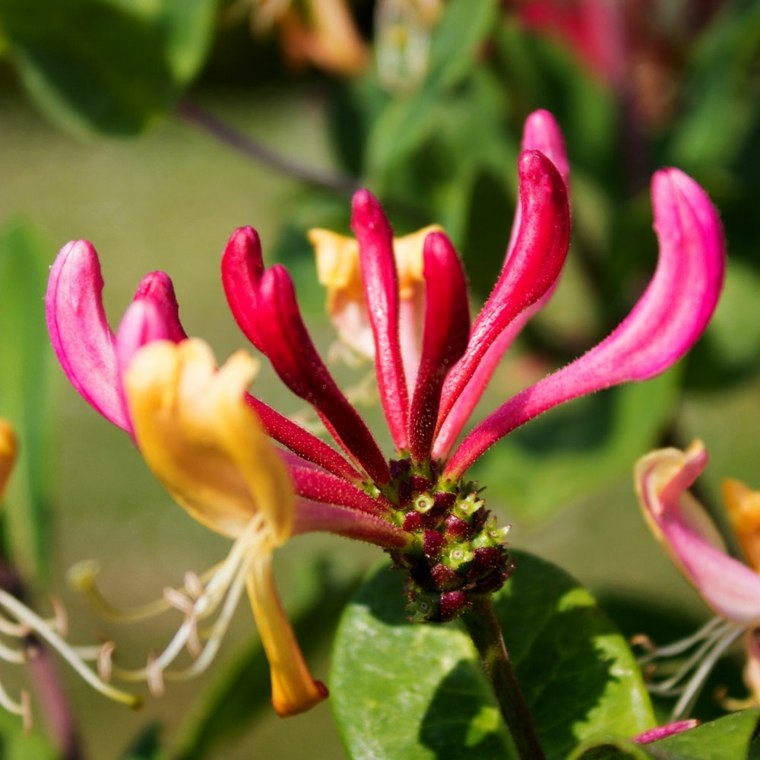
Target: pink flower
(431, 364)
(728, 586)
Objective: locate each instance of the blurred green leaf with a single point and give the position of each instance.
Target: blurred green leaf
(409, 120)
(24, 400)
(106, 65)
(15, 744)
(147, 746)
(242, 690)
(727, 737)
(721, 93)
(576, 449)
(417, 691)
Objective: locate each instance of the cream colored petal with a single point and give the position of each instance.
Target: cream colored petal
(202, 441)
(294, 690)
(338, 269)
(8, 454)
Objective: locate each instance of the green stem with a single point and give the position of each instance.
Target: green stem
(485, 632)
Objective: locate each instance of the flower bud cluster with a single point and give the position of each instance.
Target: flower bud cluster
(458, 551)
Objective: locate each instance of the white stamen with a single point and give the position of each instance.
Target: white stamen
(216, 592)
(711, 642)
(26, 616)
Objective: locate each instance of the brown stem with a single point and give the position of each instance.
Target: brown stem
(485, 632)
(226, 134)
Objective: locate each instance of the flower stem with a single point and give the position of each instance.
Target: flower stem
(485, 632)
(256, 150)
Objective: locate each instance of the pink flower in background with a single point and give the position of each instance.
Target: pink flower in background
(730, 587)
(409, 298)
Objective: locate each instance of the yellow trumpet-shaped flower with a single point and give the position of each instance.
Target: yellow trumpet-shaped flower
(207, 447)
(8, 453)
(339, 270)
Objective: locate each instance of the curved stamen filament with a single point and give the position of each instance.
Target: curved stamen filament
(22, 708)
(36, 624)
(216, 592)
(711, 642)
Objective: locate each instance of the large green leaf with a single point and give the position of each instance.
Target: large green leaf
(24, 400)
(110, 66)
(16, 744)
(417, 691)
(727, 737)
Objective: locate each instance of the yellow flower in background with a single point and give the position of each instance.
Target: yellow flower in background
(320, 32)
(207, 447)
(8, 453)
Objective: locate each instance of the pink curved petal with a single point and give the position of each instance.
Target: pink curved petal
(91, 355)
(380, 280)
(667, 320)
(79, 331)
(287, 344)
(530, 270)
(542, 133)
(242, 269)
(303, 443)
(447, 329)
(728, 586)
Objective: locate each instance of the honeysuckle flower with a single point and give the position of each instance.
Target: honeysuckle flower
(730, 587)
(418, 503)
(20, 625)
(320, 32)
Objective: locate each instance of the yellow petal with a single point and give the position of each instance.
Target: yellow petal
(338, 269)
(743, 508)
(8, 453)
(201, 439)
(294, 690)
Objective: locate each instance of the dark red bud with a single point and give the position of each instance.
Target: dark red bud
(452, 604)
(456, 527)
(420, 483)
(413, 522)
(432, 543)
(444, 577)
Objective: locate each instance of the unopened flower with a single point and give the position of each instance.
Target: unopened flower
(21, 628)
(417, 503)
(730, 588)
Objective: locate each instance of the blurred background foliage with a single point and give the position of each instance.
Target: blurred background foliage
(154, 128)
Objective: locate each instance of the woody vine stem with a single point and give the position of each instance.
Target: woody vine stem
(484, 630)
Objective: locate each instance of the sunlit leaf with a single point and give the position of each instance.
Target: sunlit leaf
(417, 691)
(727, 737)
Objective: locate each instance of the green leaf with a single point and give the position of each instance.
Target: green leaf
(15, 744)
(417, 691)
(727, 737)
(95, 65)
(242, 690)
(408, 121)
(576, 449)
(24, 399)
(147, 745)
